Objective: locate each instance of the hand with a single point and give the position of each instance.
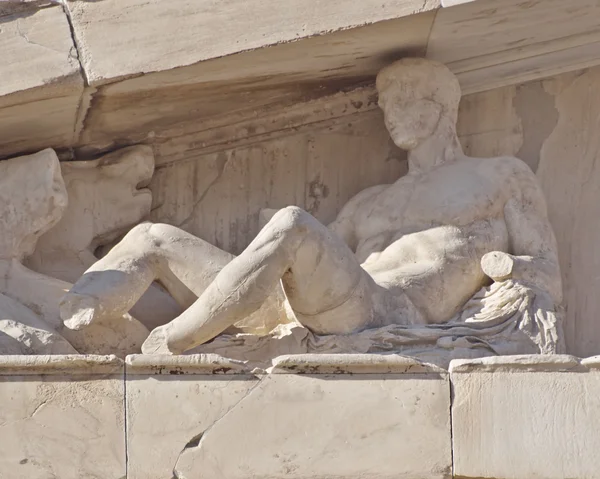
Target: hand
(498, 265)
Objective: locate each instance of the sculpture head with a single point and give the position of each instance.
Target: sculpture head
(107, 197)
(417, 96)
(32, 200)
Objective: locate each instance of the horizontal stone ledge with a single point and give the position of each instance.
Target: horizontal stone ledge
(351, 364)
(70, 365)
(152, 36)
(524, 363)
(209, 364)
(198, 364)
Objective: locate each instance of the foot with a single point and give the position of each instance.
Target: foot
(78, 311)
(158, 343)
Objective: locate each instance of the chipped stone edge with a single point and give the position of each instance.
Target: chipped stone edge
(19, 7)
(351, 364)
(525, 363)
(64, 365)
(198, 364)
(454, 3)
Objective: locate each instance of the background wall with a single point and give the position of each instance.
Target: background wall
(214, 181)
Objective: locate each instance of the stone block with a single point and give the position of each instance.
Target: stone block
(119, 38)
(61, 417)
(41, 83)
(198, 416)
(517, 417)
(171, 402)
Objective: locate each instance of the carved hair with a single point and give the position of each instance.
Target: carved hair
(428, 79)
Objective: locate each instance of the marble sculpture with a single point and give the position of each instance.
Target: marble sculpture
(455, 259)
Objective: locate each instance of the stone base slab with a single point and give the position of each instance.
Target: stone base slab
(351, 416)
(526, 416)
(313, 418)
(61, 417)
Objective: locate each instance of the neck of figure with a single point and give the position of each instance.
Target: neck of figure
(442, 146)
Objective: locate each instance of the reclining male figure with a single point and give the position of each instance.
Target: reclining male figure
(412, 252)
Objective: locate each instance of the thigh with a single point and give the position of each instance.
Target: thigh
(187, 258)
(324, 275)
(354, 312)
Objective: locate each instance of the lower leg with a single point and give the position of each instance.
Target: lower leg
(184, 264)
(238, 290)
(319, 273)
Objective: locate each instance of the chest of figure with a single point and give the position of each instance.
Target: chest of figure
(456, 195)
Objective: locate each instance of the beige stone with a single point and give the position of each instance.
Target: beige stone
(516, 417)
(489, 124)
(570, 178)
(180, 107)
(489, 44)
(168, 37)
(102, 199)
(32, 200)
(106, 197)
(350, 364)
(547, 123)
(61, 416)
(296, 162)
(171, 401)
(310, 425)
(41, 83)
(311, 52)
(381, 270)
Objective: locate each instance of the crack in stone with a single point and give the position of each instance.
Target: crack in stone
(196, 441)
(31, 42)
(40, 406)
(221, 169)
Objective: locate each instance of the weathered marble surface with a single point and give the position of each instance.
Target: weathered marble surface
(41, 85)
(50, 231)
(455, 259)
(515, 121)
(392, 422)
(532, 416)
(62, 417)
(354, 416)
(171, 401)
(551, 124)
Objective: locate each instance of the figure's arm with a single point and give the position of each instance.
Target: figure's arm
(344, 225)
(534, 257)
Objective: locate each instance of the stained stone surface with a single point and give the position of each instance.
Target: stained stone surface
(61, 417)
(526, 416)
(171, 401)
(188, 418)
(41, 82)
(405, 267)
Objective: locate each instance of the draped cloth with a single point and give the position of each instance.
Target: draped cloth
(508, 317)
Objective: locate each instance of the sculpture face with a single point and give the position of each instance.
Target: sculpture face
(410, 120)
(416, 95)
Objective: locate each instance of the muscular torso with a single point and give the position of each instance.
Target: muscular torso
(425, 234)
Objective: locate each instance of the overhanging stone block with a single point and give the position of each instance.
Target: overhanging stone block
(41, 84)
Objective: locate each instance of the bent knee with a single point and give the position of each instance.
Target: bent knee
(149, 236)
(292, 218)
